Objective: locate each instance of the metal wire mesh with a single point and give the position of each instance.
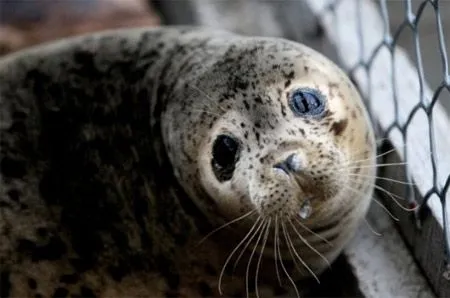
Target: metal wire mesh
(411, 23)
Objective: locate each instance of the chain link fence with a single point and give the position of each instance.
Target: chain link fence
(410, 113)
(366, 38)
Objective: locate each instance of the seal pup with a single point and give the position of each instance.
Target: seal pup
(122, 151)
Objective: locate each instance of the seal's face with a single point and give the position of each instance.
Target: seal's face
(277, 130)
(300, 148)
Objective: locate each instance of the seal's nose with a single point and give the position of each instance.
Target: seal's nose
(292, 164)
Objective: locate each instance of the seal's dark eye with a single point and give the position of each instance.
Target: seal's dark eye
(225, 154)
(307, 102)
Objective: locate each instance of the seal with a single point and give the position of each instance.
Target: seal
(145, 162)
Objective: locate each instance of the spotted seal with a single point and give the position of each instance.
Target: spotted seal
(163, 162)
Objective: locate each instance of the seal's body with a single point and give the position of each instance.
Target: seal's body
(121, 150)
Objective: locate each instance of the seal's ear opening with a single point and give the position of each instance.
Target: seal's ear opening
(225, 154)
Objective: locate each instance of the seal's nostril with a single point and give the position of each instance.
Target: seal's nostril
(282, 166)
(291, 164)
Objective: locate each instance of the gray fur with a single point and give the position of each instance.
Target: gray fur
(100, 190)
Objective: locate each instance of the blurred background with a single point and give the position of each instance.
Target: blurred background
(27, 22)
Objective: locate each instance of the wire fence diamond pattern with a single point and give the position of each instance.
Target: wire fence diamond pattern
(424, 104)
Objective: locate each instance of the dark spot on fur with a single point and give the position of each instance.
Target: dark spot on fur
(13, 194)
(247, 106)
(339, 126)
(117, 272)
(241, 84)
(258, 136)
(42, 232)
(287, 83)
(210, 269)
(13, 168)
(168, 271)
(60, 293)
(204, 289)
(290, 75)
(258, 100)
(69, 278)
(32, 284)
(53, 250)
(5, 284)
(279, 291)
(87, 292)
(79, 265)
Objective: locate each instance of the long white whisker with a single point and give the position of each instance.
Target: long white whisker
(366, 159)
(312, 232)
(307, 244)
(284, 268)
(251, 256)
(243, 250)
(288, 239)
(371, 228)
(266, 235)
(381, 178)
(386, 209)
(373, 198)
(384, 153)
(375, 166)
(226, 225)
(275, 241)
(234, 251)
(354, 162)
(396, 202)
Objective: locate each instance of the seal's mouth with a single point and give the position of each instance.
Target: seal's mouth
(305, 209)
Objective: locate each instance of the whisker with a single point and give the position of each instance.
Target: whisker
(373, 198)
(312, 232)
(308, 244)
(386, 209)
(354, 162)
(371, 228)
(226, 225)
(282, 264)
(251, 256)
(382, 178)
(266, 235)
(246, 245)
(289, 241)
(376, 165)
(396, 202)
(366, 159)
(234, 251)
(275, 250)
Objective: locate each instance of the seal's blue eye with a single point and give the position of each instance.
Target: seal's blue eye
(307, 102)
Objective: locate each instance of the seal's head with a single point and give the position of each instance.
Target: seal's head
(279, 129)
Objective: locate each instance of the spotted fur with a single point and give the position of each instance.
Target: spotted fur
(106, 185)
